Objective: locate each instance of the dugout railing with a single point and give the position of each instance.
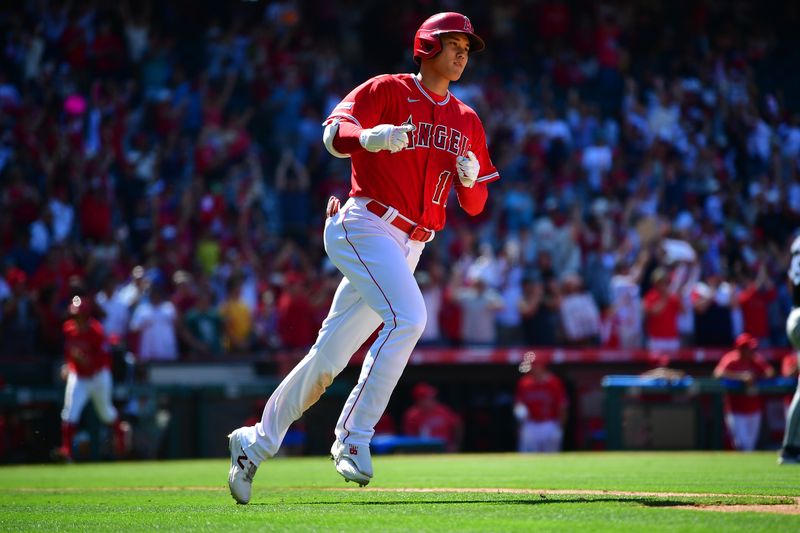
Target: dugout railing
(182, 408)
(687, 412)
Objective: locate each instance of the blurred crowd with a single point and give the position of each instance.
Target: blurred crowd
(164, 160)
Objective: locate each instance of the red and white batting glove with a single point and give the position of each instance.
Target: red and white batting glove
(468, 169)
(385, 137)
(333, 206)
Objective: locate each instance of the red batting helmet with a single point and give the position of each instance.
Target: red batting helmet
(423, 391)
(745, 340)
(427, 43)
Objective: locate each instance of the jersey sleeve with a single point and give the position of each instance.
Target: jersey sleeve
(472, 200)
(723, 364)
(364, 104)
(789, 365)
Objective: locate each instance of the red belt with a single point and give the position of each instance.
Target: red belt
(415, 232)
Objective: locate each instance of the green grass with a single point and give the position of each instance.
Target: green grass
(306, 494)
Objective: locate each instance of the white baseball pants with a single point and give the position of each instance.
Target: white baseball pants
(540, 436)
(378, 262)
(79, 389)
(744, 430)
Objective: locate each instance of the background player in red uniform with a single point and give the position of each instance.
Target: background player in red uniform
(88, 374)
(743, 410)
(540, 404)
(428, 417)
(410, 142)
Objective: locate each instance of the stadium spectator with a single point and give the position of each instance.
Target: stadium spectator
(265, 321)
(122, 146)
(19, 316)
(713, 319)
(115, 313)
(743, 367)
(509, 318)
(154, 321)
(133, 291)
(479, 304)
(50, 321)
(236, 317)
(202, 328)
(755, 299)
(661, 308)
(539, 311)
(622, 326)
(296, 327)
(580, 317)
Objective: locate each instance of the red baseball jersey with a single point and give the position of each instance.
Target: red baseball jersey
(439, 422)
(416, 181)
(544, 398)
(662, 325)
(733, 361)
(85, 351)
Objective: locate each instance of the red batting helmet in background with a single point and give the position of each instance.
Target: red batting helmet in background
(427, 43)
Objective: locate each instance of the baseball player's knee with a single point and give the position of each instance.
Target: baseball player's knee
(328, 363)
(412, 323)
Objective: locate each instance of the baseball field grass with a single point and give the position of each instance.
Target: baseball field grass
(507, 492)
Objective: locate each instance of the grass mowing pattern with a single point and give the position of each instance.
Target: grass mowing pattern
(307, 495)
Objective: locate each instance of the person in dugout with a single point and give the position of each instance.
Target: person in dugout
(430, 418)
(744, 365)
(540, 406)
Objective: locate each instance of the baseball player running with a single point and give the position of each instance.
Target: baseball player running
(790, 451)
(409, 141)
(88, 374)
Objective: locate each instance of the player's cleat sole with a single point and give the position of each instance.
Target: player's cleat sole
(242, 471)
(353, 462)
(351, 473)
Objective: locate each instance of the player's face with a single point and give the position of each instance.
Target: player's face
(451, 61)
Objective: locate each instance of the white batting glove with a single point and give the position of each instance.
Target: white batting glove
(468, 169)
(385, 137)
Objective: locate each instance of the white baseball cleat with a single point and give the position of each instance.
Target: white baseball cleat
(353, 461)
(789, 455)
(240, 476)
